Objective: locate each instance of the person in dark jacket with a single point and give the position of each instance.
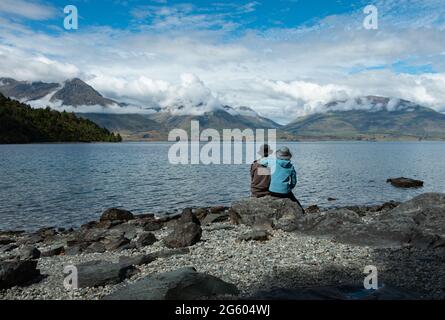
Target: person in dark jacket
(260, 175)
(283, 174)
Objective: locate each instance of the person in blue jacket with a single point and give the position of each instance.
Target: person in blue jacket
(284, 176)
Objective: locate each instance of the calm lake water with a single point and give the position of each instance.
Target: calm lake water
(70, 184)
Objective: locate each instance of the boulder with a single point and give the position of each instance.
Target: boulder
(113, 214)
(102, 273)
(29, 253)
(8, 247)
(184, 235)
(128, 230)
(145, 239)
(403, 182)
(115, 243)
(15, 272)
(267, 212)
(95, 247)
(181, 284)
(218, 209)
(312, 209)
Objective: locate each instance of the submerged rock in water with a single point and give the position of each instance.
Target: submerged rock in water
(181, 284)
(267, 212)
(403, 182)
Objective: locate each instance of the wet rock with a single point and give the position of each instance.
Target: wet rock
(145, 239)
(256, 235)
(181, 284)
(405, 182)
(113, 214)
(29, 253)
(102, 273)
(188, 216)
(332, 199)
(268, 212)
(15, 273)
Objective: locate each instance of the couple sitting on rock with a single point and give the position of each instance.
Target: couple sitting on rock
(273, 176)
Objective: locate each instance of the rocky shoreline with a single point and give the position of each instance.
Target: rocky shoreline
(256, 249)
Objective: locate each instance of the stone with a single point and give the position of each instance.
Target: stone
(8, 247)
(145, 239)
(5, 241)
(184, 235)
(53, 251)
(181, 284)
(116, 214)
(115, 243)
(201, 213)
(403, 182)
(188, 216)
(215, 217)
(95, 247)
(332, 199)
(312, 209)
(17, 272)
(29, 253)
(101, 273)
(255, 235)
(218, 209)
(128, 230)
(268, 212)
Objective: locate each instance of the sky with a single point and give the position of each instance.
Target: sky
(282, 58)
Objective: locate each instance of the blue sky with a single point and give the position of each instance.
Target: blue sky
(283, 58)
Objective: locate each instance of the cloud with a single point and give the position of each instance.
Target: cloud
(185, 57)
(27, 9)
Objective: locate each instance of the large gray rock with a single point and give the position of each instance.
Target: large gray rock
(101, 273)
(419, 222)
(14, 272)
(181, 284)
(183, 235)
(29, 253)
(268, 212)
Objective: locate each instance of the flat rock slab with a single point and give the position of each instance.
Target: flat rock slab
(101, 273)
(181, 284)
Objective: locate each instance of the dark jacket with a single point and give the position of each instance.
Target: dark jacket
(260, 180)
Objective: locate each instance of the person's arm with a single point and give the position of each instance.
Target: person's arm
(293, 179)
(264, 162)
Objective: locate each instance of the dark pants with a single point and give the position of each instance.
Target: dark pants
(290, 195)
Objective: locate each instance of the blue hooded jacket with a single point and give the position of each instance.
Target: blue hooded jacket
(284, 176)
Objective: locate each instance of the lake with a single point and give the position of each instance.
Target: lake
(69, 184)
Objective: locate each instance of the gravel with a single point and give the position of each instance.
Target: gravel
(286, 260)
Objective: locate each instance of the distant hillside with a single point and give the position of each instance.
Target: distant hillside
(73, 92)
(19, 123)
(371, 118)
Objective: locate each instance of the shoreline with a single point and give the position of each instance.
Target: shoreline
(275, 264)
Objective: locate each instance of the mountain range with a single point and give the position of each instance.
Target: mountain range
(362, 118)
